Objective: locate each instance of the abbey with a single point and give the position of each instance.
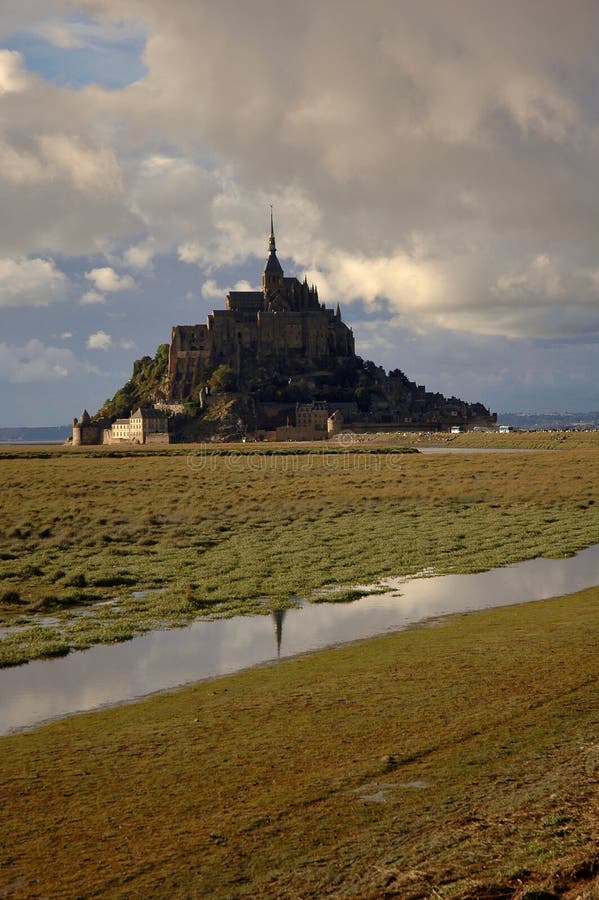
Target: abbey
(274, 364)
(283, 324)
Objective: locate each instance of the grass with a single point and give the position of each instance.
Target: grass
(456, 761)
(217, 531)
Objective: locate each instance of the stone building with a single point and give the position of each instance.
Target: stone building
(148, 426)
(86, 432)
(144, 426)
(312, 423)
(282, 323)
(119, 431)
(312, 415)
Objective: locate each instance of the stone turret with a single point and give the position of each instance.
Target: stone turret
(85, 431)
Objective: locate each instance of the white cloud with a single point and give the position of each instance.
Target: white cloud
(92, 297)
(190, 252)
(31, 282)
(404, 281)
(36, 362)
(60, 157)
(139, 256)
(20, 166)
(99, 341)
(126, 344)
(106, 279)
(13, 78)
(66, 335)
(439, 165)
(541, 279)
(89, 168)
(212, 291)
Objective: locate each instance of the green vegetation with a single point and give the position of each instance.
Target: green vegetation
(223, 531)
(223, 378)
(458, 761)
(148, 376)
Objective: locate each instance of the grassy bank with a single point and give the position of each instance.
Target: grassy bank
(516, 440)
(207, 534)
(451, 761)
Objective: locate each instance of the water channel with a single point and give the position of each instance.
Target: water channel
(161, 660)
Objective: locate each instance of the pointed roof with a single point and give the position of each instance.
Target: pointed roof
(272, 263)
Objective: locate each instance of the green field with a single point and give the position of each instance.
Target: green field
(451, 761)
(457, 760)
(219, 532)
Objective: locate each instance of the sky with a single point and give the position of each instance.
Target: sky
(434, 167)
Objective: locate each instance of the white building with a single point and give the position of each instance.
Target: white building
(144, 426)
(120, 430)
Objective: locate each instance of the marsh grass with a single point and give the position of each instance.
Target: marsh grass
(224, 529)
(458, 761)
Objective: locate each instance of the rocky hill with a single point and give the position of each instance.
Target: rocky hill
(247, 367)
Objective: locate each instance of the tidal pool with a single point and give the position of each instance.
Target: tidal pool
(160, 660)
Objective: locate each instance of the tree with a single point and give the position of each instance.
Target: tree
(223, 378)
(148, 375)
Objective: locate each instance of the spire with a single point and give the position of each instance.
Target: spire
(271, 242)
(272, 277)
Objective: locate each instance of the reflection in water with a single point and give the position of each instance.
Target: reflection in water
(278, 617)
(161, 660)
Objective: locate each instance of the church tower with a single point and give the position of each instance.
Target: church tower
(272, 277)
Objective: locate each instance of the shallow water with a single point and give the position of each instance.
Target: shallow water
(159, 660)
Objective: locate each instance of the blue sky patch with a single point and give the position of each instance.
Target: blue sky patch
(79, 53)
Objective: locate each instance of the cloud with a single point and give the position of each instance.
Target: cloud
(398, 278)
(55, 157)
(88, 168)
(505, 373)
(36, 362)
(99, 341)
(541, 278)
(438, 166)
(13, 78)
(66, 335)
(415, 126)
(190, 252)
(126, 344)
(139, 256)
(92, 297)
(31, 282)
(60, 169)
(106, 279)
(211, 290)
